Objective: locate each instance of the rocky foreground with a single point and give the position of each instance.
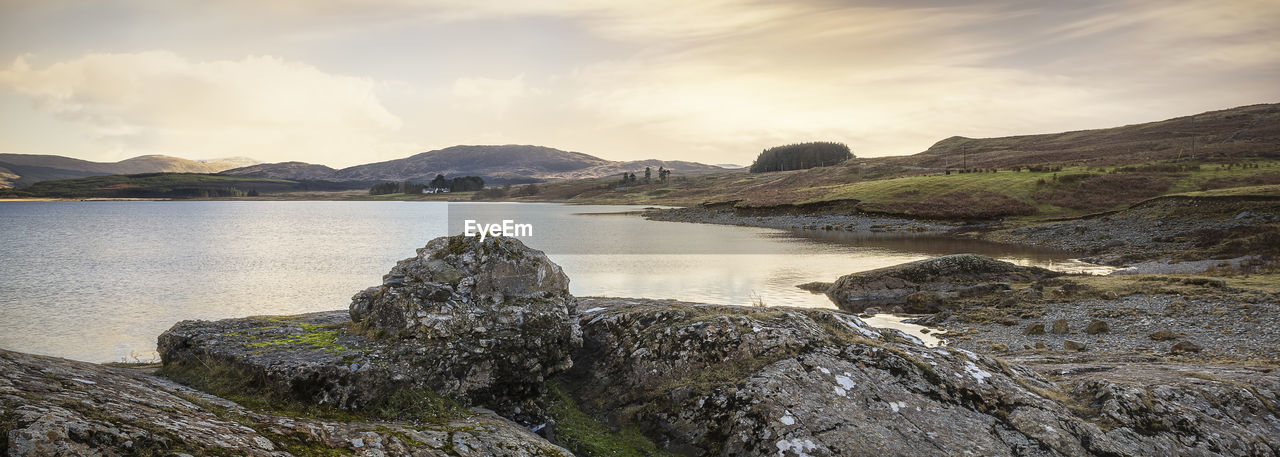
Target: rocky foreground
(470, 347)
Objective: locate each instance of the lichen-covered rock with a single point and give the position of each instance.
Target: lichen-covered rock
(493, 305)
(722, 380)
(57, 407)
(483, 322)
(923, 286)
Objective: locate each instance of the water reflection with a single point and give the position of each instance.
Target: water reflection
(98, 281)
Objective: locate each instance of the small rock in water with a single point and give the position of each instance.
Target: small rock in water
(1060, 327)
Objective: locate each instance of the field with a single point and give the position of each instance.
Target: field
(164, 185)
(887, 189)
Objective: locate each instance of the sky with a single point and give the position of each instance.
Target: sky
(345, 82)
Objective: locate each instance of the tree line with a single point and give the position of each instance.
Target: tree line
(800, 156)
(663, 175)
(459, 184)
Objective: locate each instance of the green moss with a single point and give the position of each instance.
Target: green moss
(251, 391)
(323, 339)
(584, 436)
(8, 421)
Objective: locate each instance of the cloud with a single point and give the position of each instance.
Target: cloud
(490, 95)
(160, 102)
(713, 80)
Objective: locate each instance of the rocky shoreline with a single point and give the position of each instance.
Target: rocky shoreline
(858, 224)
(476, 348)
(1146, 238)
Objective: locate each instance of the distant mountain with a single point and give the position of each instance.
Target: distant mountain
(731, 166)
(1238, 131)
(27, 169)
(285, 170)
(506, 164)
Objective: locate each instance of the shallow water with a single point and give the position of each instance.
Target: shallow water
(98, 281)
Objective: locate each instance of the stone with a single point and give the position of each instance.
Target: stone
(1041, 345)
(999, 347)
(485, 323)
(947, 277)
(1097, 326)
(1073, 345)
(48, 408)
(1008, 321)
(1163, 335)
(1184, 347)
(815, 287)
(1060, 327)
(1034, 328)
(871, 311)
(724, 380)
(1111, 295)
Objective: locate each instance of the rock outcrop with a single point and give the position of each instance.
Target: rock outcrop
(720, 380)
(51, 406)
(491, 323)
(483, 322)
(923, 286)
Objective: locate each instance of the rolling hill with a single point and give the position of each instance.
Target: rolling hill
(284, 170)
(1226, 133)
(26, 169)
(504, 164)
(1035, 176)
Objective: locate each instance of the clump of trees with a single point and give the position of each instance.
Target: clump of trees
(459, 184)
(406, 187)
(663, 175)
(800, 156)
(465, 183)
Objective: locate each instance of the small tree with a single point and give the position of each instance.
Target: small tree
(647, 173)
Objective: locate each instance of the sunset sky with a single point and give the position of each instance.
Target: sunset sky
(345, 82)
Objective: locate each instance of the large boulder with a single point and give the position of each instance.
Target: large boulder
(482, 322)
(51, 406)
(495, 305)
(923, 286)
(723, 380)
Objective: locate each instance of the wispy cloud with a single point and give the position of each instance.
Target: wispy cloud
(159, 102)
(713, 80)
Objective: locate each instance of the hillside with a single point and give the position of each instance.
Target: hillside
(284, 170)
(1033, 176)
(511, 162)
(163, 185)
(26, 169)
(506, 164)
(1226, 133)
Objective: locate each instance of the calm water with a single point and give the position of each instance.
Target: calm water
(98, 281)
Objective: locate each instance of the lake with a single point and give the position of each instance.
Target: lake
(98, 281)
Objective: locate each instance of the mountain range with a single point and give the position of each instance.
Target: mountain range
(26, 169)
(500, 164)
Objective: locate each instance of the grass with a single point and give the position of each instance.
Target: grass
(585, 436)
(1245, 191)
(887, 186)
(249, 390)
(313, 335)
(8, 421)
(156, 185)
